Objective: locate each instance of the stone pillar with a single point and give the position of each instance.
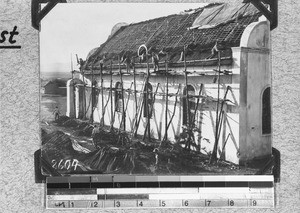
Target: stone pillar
(70, 99)
(255, 77)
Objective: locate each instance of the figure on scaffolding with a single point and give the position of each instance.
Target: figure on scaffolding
(56, 113)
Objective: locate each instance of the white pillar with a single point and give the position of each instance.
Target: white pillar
(70, 99)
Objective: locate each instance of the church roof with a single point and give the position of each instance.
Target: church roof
(198, 30)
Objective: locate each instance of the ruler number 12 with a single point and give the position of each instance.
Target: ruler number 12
(94, 204)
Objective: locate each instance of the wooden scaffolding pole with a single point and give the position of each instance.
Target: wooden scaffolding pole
(138, 114)
(214, 152)
(173, 114)
(151, 110)
(74, 94)
(188, 118)
(122, 95)
(194, 117)
(92, 94)
(128, 99)
(102, 98)
(134, 87)
(167, 99)
(147, 98)
(111, 98)
(187, 91)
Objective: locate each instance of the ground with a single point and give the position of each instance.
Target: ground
(69, 148)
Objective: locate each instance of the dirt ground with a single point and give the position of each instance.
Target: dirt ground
(69, 148)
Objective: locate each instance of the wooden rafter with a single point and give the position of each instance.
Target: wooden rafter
(37, 14)
(270, 13)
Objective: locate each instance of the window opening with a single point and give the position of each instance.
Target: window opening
(266, 111)
(191, 104)
(118, 97)
(148, 100)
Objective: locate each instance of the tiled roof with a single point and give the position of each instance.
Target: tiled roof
(173, 32)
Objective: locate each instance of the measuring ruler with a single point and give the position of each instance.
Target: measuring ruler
(120, 191)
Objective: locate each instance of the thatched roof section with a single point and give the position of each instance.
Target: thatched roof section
(57, 82)
(198, 30)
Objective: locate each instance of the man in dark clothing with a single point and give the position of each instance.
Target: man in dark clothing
(56, 113)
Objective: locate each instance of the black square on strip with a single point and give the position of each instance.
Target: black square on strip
(260, 184)
(170, 184)
(101, 197)
(147, 184)
(237, 184)
(57, 185)
(102, 185)
(124, 184)
(192, 184)
(215, 184)
(80, 185)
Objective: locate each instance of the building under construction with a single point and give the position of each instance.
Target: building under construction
(200, 78)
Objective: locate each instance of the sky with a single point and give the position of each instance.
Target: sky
(76, 28)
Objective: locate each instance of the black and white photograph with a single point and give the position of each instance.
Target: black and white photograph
(156, 89)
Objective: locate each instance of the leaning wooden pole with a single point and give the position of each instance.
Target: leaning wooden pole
(196, 109)
(134, 87)
(187, 91)
(167, 99)
(138, 114)
(92, 94)
(122, 95)
(73, 85)
(128, 98)
(151, 109)
(84, 96)
(197, 104)
(214, 152)
(111, 98)
(147, 98)
(221, 114)
(102, 98)
(173, 114)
